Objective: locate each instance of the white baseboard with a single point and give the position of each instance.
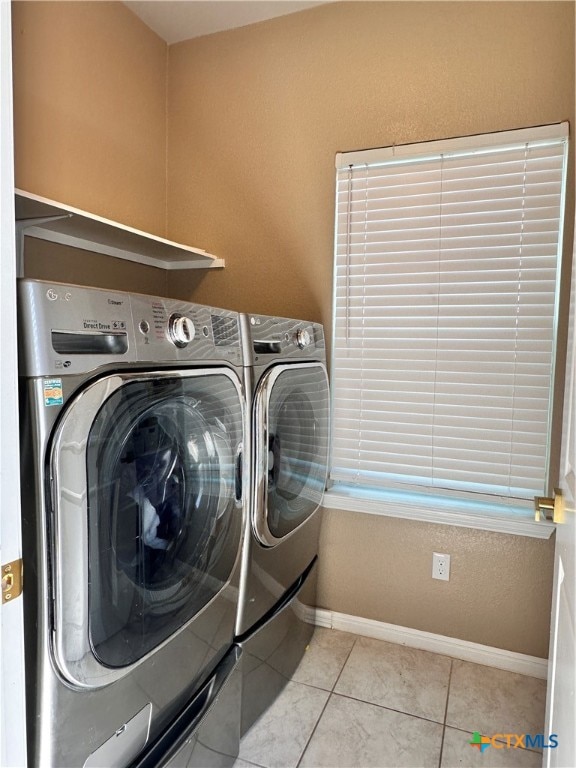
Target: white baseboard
(426, 641)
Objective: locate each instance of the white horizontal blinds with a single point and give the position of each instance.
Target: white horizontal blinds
(446, 271)
(384, 356)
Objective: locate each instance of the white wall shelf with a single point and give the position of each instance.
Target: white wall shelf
(48, 220)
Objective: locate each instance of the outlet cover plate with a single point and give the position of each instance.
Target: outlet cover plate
(440, 566)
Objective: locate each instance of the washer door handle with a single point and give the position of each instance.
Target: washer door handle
(238, 475)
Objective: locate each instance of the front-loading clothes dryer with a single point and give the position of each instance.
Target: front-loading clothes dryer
(289, 435)
(133, 417)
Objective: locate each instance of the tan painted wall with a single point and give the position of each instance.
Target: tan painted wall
(380, 568)
(256, 116)
(90, 109)
(90, 129)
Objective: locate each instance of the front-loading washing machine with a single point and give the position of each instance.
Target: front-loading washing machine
(289, 435)
(133, 420)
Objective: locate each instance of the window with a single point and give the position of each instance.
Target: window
(448, 261)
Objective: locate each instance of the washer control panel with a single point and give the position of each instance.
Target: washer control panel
(71, 329)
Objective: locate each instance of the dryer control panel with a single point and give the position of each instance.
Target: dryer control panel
(267, 338)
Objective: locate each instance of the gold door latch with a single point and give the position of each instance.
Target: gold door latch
(549, 508)
(11, 580)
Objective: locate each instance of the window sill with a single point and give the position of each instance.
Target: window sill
(484, 516)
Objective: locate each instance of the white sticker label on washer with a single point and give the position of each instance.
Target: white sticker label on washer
(53, 394)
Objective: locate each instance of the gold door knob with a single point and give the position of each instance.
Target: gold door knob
(550, 508)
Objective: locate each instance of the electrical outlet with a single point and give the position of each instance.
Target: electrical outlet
(440, 566)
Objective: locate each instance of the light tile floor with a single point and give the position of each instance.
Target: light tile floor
(355, 702)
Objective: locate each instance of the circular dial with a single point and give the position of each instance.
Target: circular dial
(303, 338)
(180, 330)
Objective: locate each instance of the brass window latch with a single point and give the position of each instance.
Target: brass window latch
(550, 508)
(11, 580)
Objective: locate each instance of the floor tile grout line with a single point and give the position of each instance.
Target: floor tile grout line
(313, 730)
(448, 692)
(388, 709)
(332, 690)
(311, 685)
(445, 715)
(330, 694)
(249, 762)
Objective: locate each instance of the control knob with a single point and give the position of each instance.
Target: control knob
(181, 330)
(303, 338)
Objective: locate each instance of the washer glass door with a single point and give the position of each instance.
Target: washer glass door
(161, 460)
(291, 413)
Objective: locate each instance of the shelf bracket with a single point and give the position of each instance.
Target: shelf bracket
(21, 226)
